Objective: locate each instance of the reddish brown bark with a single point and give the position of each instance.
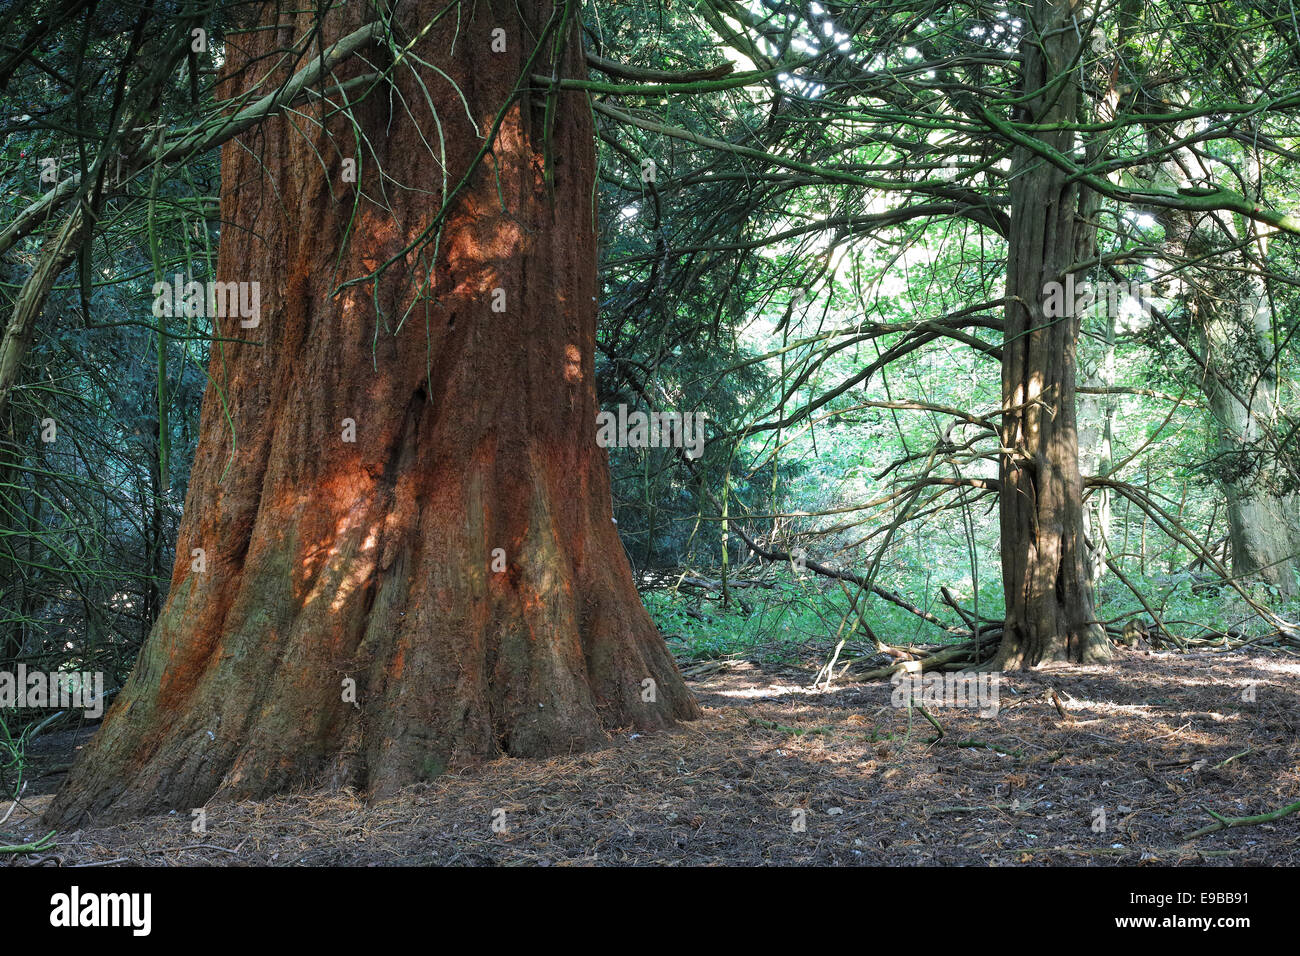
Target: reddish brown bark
(475, 430)
(1045, 566)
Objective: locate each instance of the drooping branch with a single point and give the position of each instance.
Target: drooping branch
(189, 143)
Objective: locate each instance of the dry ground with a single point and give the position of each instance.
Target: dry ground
(1152, 739)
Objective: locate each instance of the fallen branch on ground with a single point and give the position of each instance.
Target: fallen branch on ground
(1227, 823)
(942, 657)
(44, 843)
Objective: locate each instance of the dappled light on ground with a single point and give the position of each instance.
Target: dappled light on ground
(1121, 772)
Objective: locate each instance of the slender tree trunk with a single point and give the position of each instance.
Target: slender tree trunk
(1096, 440)
(13, 518)
(152, 521)
(1262, 515)
(1045, 567)
(56, 255)
(455, 564)
(1232, 322)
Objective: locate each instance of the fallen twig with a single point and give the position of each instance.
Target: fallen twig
(1227, 823)
(36, 846)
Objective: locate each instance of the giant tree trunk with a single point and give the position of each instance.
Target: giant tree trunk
(374, 561)
(1045, 568)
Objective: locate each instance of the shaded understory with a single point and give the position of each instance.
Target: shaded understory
(1153, 739)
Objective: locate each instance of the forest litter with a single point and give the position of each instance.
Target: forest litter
(1087, 765)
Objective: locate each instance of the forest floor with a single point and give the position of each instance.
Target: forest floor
(1153, 740)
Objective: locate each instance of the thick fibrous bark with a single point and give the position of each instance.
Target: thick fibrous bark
(330, 561)
(1045, 569)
